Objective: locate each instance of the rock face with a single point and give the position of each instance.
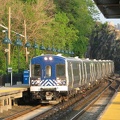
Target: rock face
(105, 44)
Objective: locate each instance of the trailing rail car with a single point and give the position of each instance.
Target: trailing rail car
(55, 77)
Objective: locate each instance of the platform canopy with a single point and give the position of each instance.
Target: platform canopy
(109, 8)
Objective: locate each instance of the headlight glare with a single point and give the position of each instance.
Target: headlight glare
(45, 58)
(50, 58)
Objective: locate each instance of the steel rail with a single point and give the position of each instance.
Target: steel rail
(94, 100)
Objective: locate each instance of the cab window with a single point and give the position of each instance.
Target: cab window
(60, 70)
(36, 70)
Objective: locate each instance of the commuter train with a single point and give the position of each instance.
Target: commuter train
(56, 78)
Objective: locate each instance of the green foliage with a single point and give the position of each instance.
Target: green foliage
(80, 16)
(63, 34)
(30, 1)
(66, 24)
(2, 62)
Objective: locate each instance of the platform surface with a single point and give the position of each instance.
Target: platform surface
(112, 112)
(13, 89)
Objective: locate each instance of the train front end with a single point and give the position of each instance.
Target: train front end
(48, 77)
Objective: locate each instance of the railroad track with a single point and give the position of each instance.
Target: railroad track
(75, 104)
(64, 108)
(79, 102)
(16, 115)
(109, 91)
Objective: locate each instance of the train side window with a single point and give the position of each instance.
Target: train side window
(60, 70)
(48, 71)
(36, 70)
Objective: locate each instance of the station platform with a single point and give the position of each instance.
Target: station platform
(112, 112)
(9, 95)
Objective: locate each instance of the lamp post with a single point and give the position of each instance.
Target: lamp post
(42, 47)
(48, 48)
(53, 48)
(18, 43)
(72, 53)
(6, 41)
(35, 46)
(62, 51)
(58, 50)
(66, 51)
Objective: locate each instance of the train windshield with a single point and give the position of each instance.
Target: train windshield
(60, 70)
(35, 70)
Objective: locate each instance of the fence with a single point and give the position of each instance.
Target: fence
(15, 78)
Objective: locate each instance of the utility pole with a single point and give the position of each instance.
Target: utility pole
(9, 34)
(26, 52)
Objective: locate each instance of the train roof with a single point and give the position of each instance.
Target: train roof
(69, 58)
(62, 57)
(59, 55)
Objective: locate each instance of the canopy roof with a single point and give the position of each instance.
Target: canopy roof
(109, 8)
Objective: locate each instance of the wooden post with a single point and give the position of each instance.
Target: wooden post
(25, 42)
(9, 34)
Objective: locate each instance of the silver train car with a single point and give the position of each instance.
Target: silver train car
(55, 77)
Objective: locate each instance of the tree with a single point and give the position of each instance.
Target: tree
(80, 16)
(64, 23)
(62, 33)
(38, 16)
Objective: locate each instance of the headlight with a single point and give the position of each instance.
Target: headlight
(64, 82)
(38, 81)
(32, 82)
(45, 58)
(61, 82)
(50, 58)
(35, 82)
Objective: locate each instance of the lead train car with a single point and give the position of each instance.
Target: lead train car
(54, 77)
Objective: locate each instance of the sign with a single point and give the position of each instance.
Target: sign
(9, 69)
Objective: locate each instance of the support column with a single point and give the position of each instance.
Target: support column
(5, 107)
(9, 103)
(1, 106)
(15, 102)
